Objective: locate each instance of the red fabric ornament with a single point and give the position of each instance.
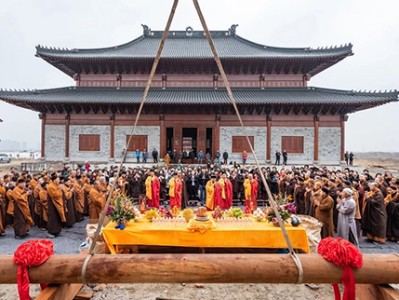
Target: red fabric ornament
(343, 254)
(30, 254)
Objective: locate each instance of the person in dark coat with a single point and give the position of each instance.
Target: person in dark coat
(278, 155)
(351, 155)
(299, 196)
(285, 157)
(324, 213)
(192, 186)
(155, 155)
(374, 222)
(225, 157)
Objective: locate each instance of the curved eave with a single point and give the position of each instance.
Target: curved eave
(309, 99)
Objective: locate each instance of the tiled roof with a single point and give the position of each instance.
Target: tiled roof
(193, 45)
(188, 96)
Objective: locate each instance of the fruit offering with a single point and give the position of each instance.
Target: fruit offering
(259, 215)
(188, 214)
(174, 211)
(235, 213)
(151, 214)
(217, 214)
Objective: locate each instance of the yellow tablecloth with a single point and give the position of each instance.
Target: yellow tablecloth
(254, 235)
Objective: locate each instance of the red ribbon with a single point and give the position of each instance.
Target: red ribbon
(30, 254)
(343, 254)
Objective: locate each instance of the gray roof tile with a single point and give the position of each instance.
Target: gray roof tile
(267, 96)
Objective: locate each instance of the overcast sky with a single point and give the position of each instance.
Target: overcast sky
(371, 26)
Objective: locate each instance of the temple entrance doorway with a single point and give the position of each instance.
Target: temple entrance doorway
(189, 142)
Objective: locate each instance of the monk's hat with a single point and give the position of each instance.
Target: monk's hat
(348, 191)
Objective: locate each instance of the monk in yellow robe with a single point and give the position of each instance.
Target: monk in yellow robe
(210, 193)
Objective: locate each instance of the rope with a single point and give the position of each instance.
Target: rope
(145, 94)
(233, 102)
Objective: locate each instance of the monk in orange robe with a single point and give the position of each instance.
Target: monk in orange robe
(43, 195)
(79, 197)
(56, 212)
(86, 188)
(22, 217)
(251, 192)
(2, 208)
(10, 205)
(152, 188)
(224, 193)
(210, 193)
(175, 191)
(96, 201)
(69, 205)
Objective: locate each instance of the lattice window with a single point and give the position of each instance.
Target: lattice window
(137, 142)
(89, 142)
(292, 144)
(240, 143)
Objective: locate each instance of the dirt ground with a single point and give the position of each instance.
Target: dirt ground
(193, 292)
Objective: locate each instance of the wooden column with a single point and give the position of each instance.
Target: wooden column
(112, 139)
(162, 138)
(43, 138)
(67, 124)
(268, 139)
(177, 138)
(201, 139)
(316, 138)
(216, 136)
(343, 120)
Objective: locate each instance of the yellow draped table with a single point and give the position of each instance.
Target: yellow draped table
(253, 235)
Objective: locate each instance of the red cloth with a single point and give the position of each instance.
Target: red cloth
(219, 201)
(30, 254)
(343, 254)
(155, 187)
(229, 194)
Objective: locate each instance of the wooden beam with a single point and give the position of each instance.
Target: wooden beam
(205, 268)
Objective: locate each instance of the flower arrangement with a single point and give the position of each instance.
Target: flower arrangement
(122, 212)
(188, 214)
(285, 209)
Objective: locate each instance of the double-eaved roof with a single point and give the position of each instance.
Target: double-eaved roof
(78, 98)
(191, 48)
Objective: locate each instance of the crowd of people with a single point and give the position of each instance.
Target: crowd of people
(347, 203)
